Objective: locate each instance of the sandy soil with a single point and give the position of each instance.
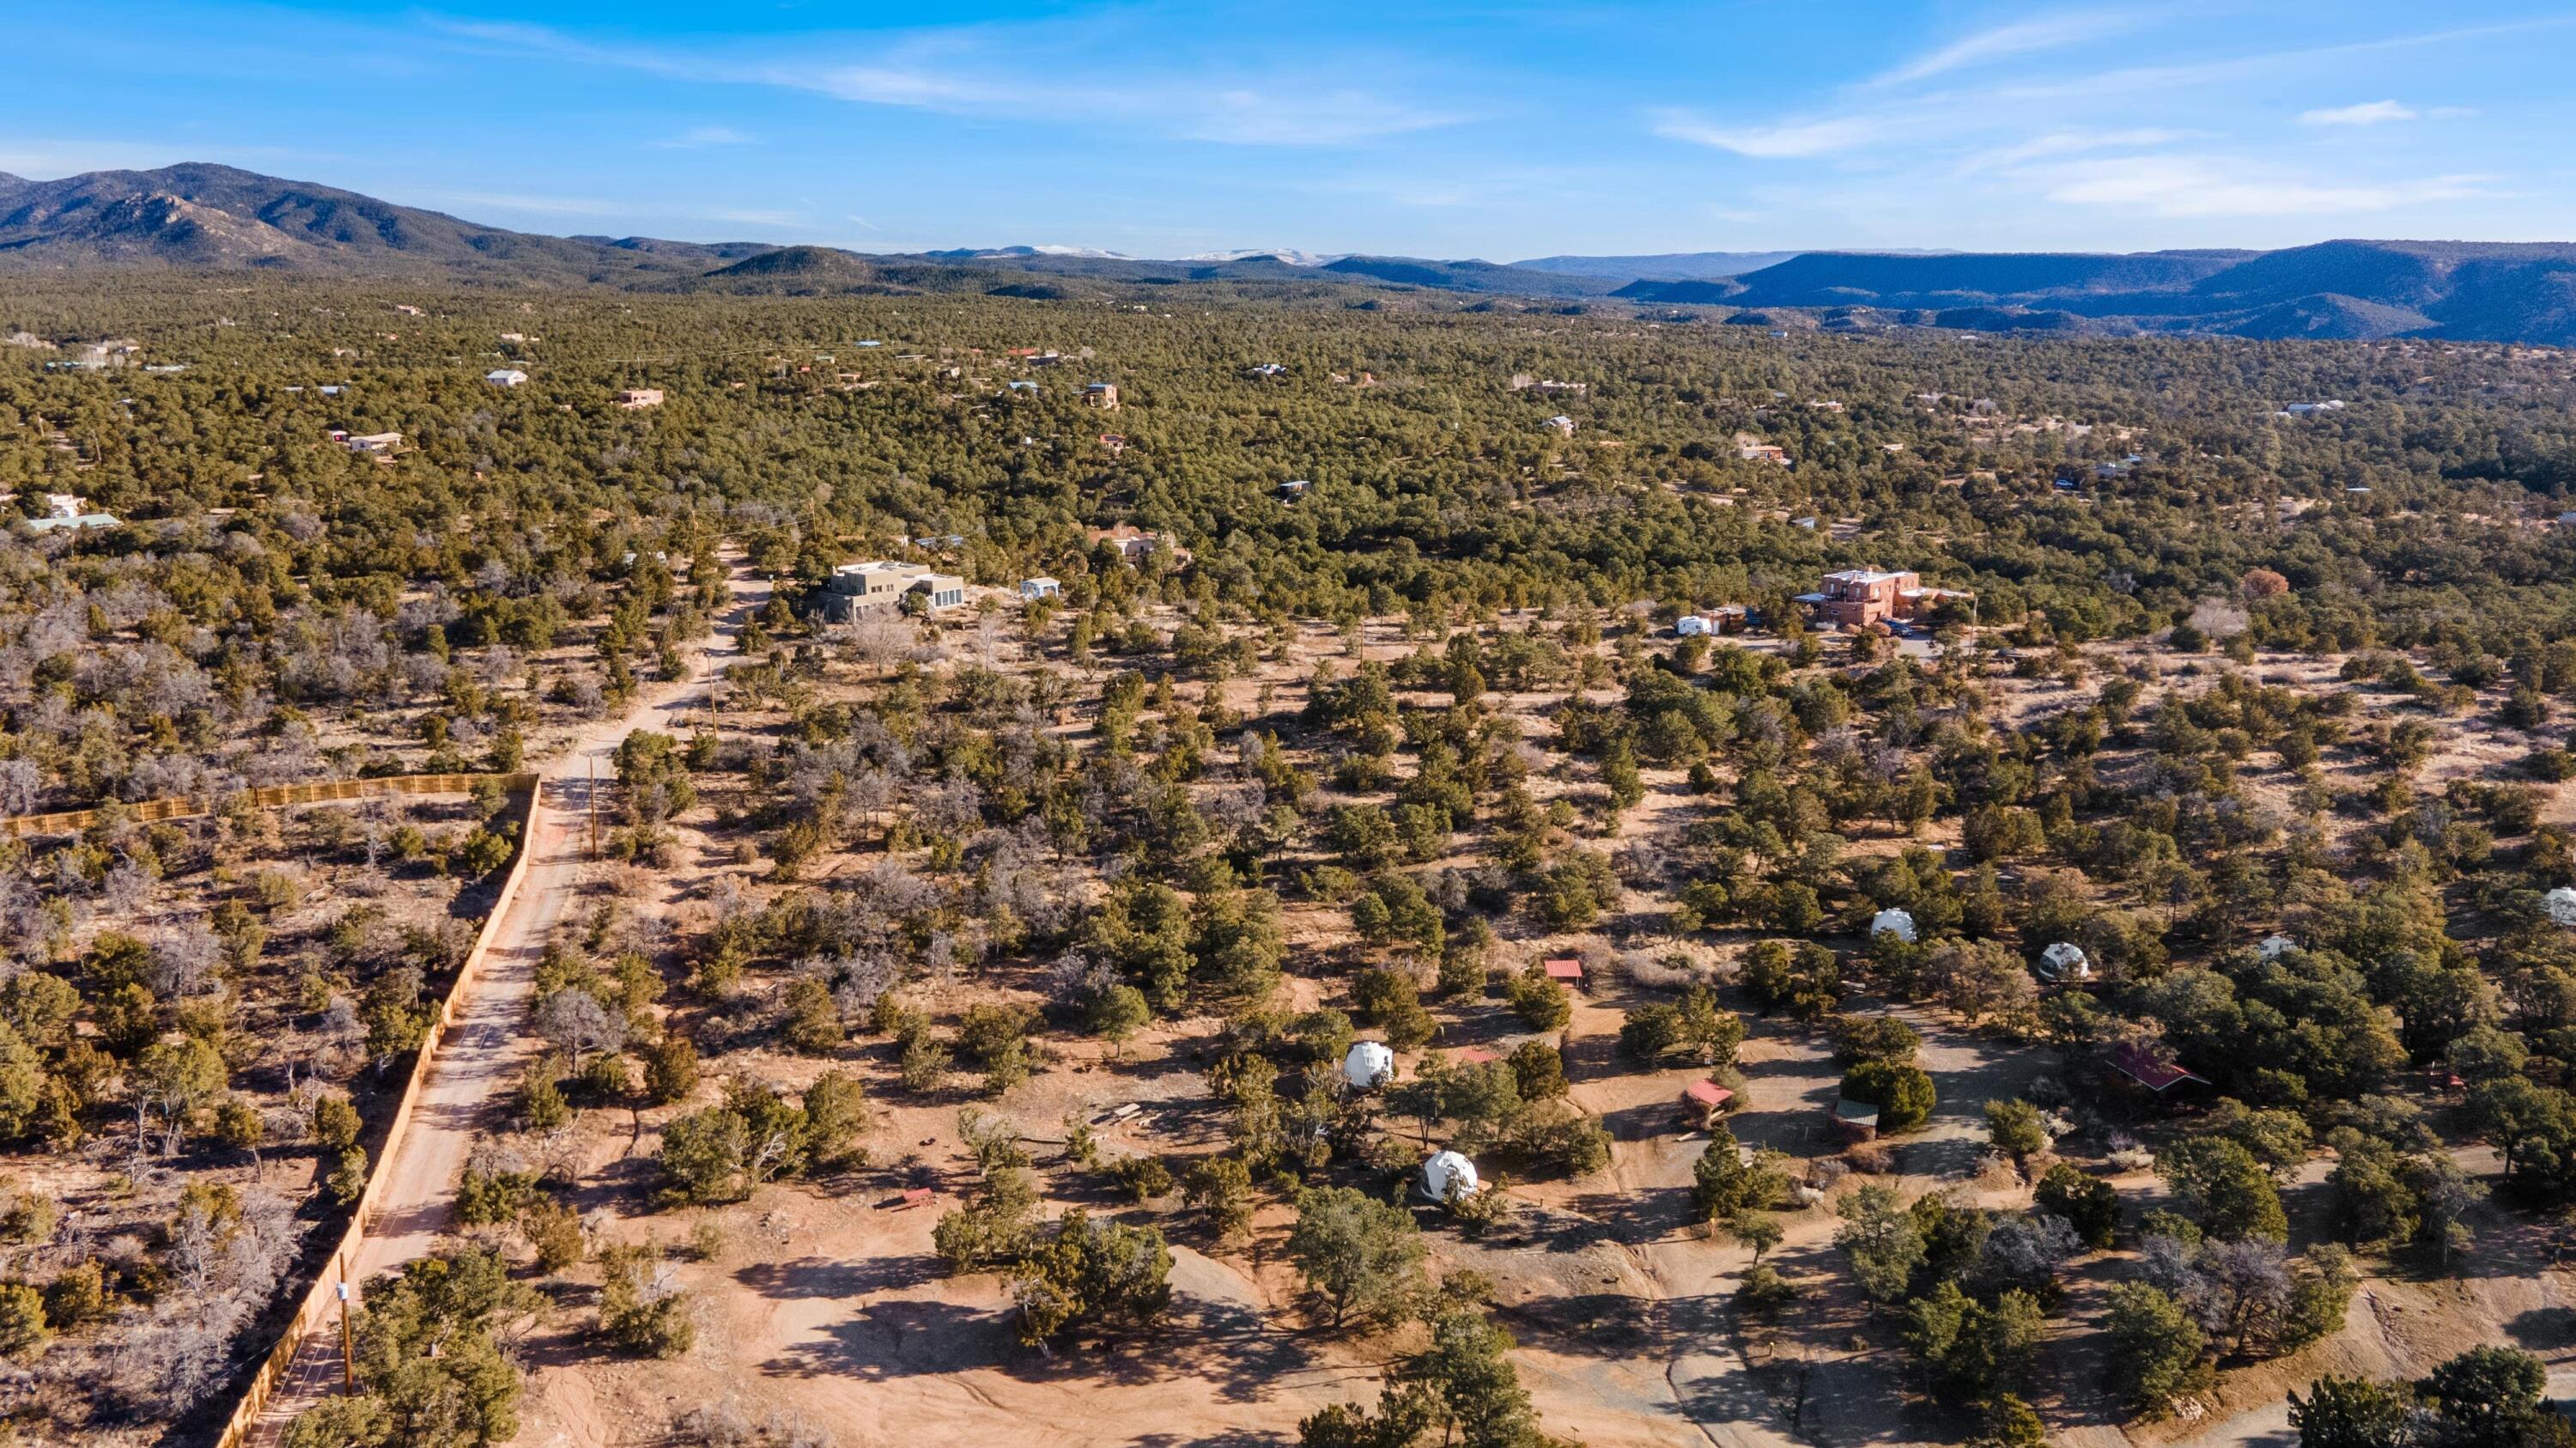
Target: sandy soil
(486, 1048)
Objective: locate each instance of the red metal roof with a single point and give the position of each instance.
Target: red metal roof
(1564, 967)
(1707, 1093)
(2132, 1060)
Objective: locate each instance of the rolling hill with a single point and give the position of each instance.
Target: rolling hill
(204, 217)
(207, 217)
(2488, 291)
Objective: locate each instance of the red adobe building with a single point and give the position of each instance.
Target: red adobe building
(1859, 597)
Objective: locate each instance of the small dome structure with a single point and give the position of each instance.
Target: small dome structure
(1447, 1169)
(1898, 923)
(2562, 906)
(2275, 946)
(1369, 1065)
(2064, 961)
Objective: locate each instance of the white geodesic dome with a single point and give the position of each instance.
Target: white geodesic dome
(1898, 923)
(2562, 905)
(1444, 1169)
(2275, 946)
(2064, 960)
(1369, 1065)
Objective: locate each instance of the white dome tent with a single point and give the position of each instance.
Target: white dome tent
(2275, 946)
(1445, 1170)
(1898, 923)
(2562, 906)
(1369, 1065)
(2064, 961)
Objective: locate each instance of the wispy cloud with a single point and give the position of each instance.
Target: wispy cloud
(755, 216)
(30, 156)
(2075, 142)
(699, 138)
(2268, 67)
(1793, 141)
(2004, 42)
(1033, 71)
(2368, 113)
(533, 205)
(2230, 186)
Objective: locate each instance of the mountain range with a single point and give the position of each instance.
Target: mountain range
(207, 217)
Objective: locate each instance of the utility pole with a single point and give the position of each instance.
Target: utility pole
(348, 1343)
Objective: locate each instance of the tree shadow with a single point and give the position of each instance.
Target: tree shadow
(821, 1277)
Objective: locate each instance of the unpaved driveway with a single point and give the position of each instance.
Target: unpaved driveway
(486, 1049)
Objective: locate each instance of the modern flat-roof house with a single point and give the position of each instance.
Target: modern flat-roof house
(1103, 395)
(505, 376)
(71, 522)
(633, 398)
(370, 442)
(1562, 424)
(1859, 597)
(857, 588)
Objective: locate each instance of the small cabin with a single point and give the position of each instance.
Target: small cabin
(2143, 1067)
(1704, 1102)
(1039, 587)
(1567, 970)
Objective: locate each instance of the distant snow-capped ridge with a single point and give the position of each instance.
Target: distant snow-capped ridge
(1288, 255)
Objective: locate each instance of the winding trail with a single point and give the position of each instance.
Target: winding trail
(486, 1046)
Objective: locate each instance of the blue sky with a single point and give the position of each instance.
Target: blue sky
(1497, 131)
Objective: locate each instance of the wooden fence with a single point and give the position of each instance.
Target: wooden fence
(324, 1295)
(268, 796)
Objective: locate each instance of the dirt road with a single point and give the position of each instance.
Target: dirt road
(486, 1047)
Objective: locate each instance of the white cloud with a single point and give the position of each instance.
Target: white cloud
(1786, 142)
(53, 159)
(2368, 113)
(2071, 143)
(530, 205)
(1034, 71)
(786, 220)
(699, 138)
(2225, 186)
(2025, 37)
(1336, 118)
